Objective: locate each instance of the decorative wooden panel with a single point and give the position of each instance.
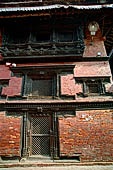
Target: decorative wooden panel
(40, 136)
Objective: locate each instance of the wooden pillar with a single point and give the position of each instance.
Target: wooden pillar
(25, 135)
(55, 124)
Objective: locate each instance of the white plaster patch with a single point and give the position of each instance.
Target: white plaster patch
(86, 117)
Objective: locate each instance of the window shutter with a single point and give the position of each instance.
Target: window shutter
(54, 84)
(0, 90)
(28, 85)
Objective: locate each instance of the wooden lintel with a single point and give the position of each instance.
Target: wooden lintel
(24, 15)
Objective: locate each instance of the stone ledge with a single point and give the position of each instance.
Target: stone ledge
(29, 164)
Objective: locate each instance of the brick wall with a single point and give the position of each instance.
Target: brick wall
(5, 72)
(0, 43)
(69, 86)
(89, 133)
(9, 135)
(95, 46)
(14, 86)
(92, 69)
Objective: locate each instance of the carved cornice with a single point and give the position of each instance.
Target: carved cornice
(53, 67)
(38, 107)
(42, 50)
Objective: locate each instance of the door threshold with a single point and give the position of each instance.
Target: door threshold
(39, 157)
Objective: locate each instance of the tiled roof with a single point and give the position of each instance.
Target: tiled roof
(57, 6)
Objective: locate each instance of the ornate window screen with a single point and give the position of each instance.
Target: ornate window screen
(40, 136)
(60, 37)
(93, 87)
(40, 86)
(3, 83)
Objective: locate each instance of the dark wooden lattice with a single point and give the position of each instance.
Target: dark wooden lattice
(93, 87)
(40, 145)
(40, 136)
(42, 87)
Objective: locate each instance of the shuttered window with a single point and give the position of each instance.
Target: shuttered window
(40, 86)
(93, 87)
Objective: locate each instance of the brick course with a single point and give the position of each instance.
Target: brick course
(0, 44)
(95, 46)
(9, 135)
(14, 88)
(69, 86)
(92, 69)
(89, 133)
(5, 72)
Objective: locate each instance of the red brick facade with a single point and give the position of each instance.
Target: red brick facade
(98, 45)
(5, 72)
(92, 69)
(14, 88)
(89, 134)
(69, 87)
(10, 128)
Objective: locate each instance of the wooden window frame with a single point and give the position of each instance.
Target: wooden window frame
(86, 88)
(28, 86)
(3, 83)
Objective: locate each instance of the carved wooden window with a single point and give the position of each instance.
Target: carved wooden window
(42, 33)
(64, 30)
(93, 88)
(33, 39)
(3, 83)
(18, 37)
(65, 36)
(43, 36)
(40, 86)
(16, 33)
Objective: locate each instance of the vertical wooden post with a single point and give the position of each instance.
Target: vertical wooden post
(55, 136)
(24, 135)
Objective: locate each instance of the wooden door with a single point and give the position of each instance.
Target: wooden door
(40, 135)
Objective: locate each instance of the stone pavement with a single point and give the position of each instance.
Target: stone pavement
(95, 167)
